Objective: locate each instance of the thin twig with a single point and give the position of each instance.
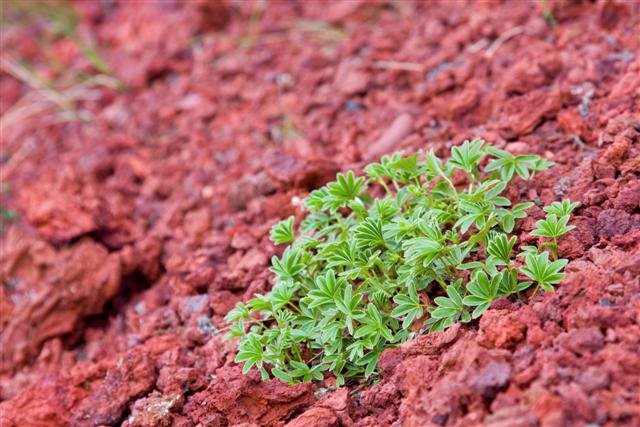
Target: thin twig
(491, 50)
(12, 67)
(399, 65)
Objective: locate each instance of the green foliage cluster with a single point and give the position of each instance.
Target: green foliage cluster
(356, 277)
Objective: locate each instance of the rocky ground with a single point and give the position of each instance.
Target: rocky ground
(148, 147)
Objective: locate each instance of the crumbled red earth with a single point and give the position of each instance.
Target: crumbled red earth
(139, 226)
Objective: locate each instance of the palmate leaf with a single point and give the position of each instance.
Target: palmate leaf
(384, 168)
(447, 311)
(327, 291)
(482, 292)
(506, 164)
(541, 165)
(330, 332)
(282, 232)
(260, 303)
(316, 200)
(542, 271)
(250, 352)
(421, 250)
(467, 156)
(509, 283)
(302, 370)
(384, 209)
(404, 169)
(343, 190)
(507, 217)
(399, 227)
(368, 234)
(355, 350)
(349, 305)
(377, 171)
(501, 247)
(373, 325)
(408, 306)
(341, 254)
(369, 361)
(552, 226)
(476, 215)
(561, 209)
(236, 330)
(289, 266)
(449, 305)
(240, 311)
(281, 295)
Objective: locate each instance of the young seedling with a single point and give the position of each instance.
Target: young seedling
(555, 224)
(540, 270)
(355, 272)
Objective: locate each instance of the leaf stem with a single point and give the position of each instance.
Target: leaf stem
(385, 186)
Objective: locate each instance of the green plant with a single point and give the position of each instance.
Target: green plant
(373, 250)
(547, 14)
(6, 216)
(555, 224)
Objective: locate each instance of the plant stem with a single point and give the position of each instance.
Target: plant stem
(293, 307)
(442, 284)
(385, 186)
(393, 251)
(554, 249)
(453, 188)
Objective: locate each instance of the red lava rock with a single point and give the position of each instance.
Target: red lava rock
(133, 376)
(389, 359)
(520, 120)
(380, 400)
(628, 198)
(610, 13)
(214, 15)
(491, 379)
(81, 281)
(573, 123)
(48, 403)
(155, 410)
(291, 171)
(244, 399)
(252, 186)
(173, 380)
(431, 343)
(575, 244)
(63, 209)
(331, 410)
(463, 103)
(574, 397)
(582, 341)
(387, 143)
(501, 329)
(518, 148)
(192, 305)
(350, 79)
(548, 409)
(243, 241)
(613, 222)
(594, 378)
(253, 259)
(616, 152)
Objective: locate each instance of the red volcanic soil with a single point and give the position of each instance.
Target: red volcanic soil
(136, 211)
